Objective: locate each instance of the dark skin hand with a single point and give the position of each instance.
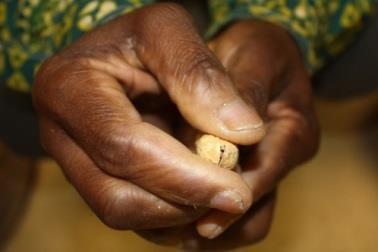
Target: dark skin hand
(111, 107)
(267, 69)
(119, 151)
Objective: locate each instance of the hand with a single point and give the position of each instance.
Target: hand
(250, 228)
(109, 106)
(267, 69)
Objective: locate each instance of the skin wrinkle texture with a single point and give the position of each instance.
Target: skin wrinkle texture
(95, 140)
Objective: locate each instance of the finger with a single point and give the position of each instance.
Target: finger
(257, 64)
(286, 144)
(251, 228)
(118, 203)
(215, 223)
(293, 136)
(251, 69)
(169, 46)
(291, 139)
(107, 126)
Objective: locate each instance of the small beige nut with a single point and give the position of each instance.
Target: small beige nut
(217, 151)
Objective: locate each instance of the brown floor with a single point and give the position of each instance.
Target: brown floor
(329, 204)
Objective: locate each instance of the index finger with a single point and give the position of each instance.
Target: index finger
(104, 123)
(118, 203)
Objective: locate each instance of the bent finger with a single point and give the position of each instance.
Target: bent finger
(118, 203)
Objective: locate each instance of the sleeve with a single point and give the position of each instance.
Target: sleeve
(322, 28)
(33, 30)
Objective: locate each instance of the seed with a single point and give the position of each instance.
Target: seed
(217, 151)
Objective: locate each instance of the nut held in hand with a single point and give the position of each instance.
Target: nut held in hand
(217, 151)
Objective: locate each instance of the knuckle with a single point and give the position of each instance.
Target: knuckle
(172, 8)
(138, 163)
(161, 19)
(53, 83)
(200, 78)
(168, 21)
(169, 12)
(114, 211)
(129, 152)
(193, 67)
(120, 148)
(126, 208)
(201, 63)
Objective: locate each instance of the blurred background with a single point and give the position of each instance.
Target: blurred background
(328, 204)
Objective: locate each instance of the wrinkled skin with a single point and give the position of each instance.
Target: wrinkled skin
(112, 105)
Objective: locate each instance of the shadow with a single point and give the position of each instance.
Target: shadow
(19, 127)
(354, 72)
(17, 181)
(354, 75)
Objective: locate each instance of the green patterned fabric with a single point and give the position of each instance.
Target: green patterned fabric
(322, 28)
(32, 30)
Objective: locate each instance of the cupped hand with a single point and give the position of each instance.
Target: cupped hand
(267, 69)
(109, 106)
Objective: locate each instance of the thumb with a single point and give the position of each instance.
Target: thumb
(169, 46)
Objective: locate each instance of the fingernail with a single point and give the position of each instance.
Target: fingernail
(228, 200)
(237, 116)
(213, 230)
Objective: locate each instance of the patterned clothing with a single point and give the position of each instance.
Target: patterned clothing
(32, 30)
(322, 28)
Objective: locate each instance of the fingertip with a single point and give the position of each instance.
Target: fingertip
(209, 231)
(248, 136)
(215, 223)
(230, 201)
(236, 201)
(237, 116)
(213, 105)
(240, 123)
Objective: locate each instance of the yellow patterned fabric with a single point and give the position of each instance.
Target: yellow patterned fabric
(32, 30)
(322, 28)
